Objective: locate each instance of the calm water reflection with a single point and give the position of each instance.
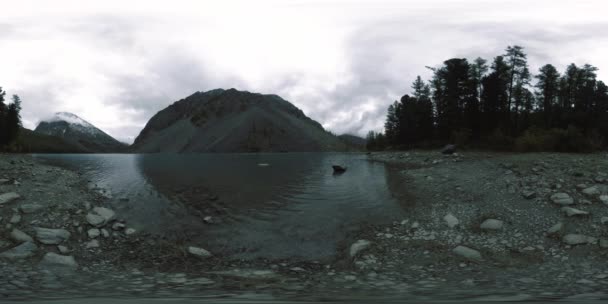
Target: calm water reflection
(279, 205)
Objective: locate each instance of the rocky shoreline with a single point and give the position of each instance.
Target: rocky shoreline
(479, 226)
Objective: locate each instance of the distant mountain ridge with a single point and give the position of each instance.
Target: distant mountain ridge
(234, 121)
(79, 133)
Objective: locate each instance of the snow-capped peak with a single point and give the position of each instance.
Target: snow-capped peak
(69, 118)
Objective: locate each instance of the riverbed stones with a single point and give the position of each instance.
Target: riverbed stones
(555, 228)
(604, 199)
(491, 224)
(63, 249)
(93, 233)
(92, 244)
(53, 259)
(576, 239)
(51, 236)
(95, 220)
(130, 231)
(358, 246)
(604, 220)
(528, 194)
(9, 197)
(118, 226)
(574, 212)
(100, 216)
(451, 220)
(591, 191)
(22, 251)
(468, 253)
(30, 208)
(199, 252)
(20, 236)
(15, 219)
(562, 198)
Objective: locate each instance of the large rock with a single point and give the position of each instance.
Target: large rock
(575, 239)
(51, 236)
(53, 259)
(358, 246)
(562, 199)
(95, 220)
(106, 213)
(451, 220)
(199, 252)
(468, 253)
(8, 197)
(591, 191)
(24, 250)
(100, 216)
(30, 208)
(20, 236)
(574, 212)
(491, 224)
(449, 149)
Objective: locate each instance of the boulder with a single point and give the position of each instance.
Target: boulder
(24, 250)
(130, 231)
(574, 212)
(358, 246)
(106, 213)
(468, 253)
(448, 149)
(20, 236)
(575, 239)
(95, 220)
(57, 260)
(591, 191)
(451, 220)
(604, 199)
(562, 199)
(62, 249)
(199, 252)
(51, 236)
(491, 224)
(8, 197)
(100, 216)
(93, 233)
(30, 208)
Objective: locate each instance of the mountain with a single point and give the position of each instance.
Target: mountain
(353, 141)
(35, 142)
(79, 133)
(234, 121)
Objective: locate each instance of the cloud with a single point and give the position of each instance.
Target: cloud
(117, 63)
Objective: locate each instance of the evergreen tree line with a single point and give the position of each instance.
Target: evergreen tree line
(500, 105)
(10, 119)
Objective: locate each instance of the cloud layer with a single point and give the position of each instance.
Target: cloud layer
(342, 62)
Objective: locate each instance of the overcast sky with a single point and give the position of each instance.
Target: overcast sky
(117, 63)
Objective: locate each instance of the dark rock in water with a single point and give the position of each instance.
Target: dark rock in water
(449, 149)
(339, 169)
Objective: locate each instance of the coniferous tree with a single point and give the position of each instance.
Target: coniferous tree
(548, 92)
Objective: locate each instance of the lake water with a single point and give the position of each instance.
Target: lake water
(283, 205)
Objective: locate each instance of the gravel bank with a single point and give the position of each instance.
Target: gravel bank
(482, 226)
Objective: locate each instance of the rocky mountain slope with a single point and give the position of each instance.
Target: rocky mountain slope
(234, 121)
(79, 133)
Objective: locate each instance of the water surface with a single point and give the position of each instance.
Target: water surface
(283, 205)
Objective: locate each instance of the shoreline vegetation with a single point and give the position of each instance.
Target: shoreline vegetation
(500, 106)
